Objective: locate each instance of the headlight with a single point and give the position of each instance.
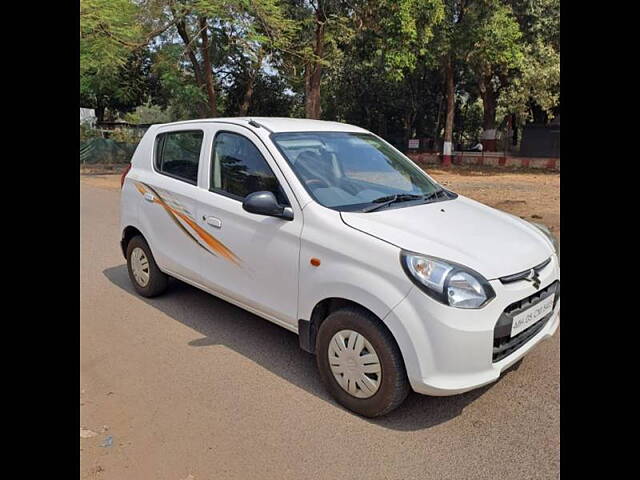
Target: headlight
(447, 282)
(549, 235)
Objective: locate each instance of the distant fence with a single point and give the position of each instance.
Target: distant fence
(140, 127)
(105, 151)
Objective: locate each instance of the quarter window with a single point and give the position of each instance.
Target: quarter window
(178, 154)
(238, 168)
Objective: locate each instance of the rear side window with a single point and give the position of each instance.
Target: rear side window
(238, 168)
(178, 154)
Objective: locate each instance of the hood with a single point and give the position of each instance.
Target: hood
(489, 241)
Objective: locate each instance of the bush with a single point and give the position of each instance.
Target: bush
(148, 114)
(86, 132)
(125, 135)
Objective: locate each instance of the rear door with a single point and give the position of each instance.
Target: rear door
(252, 258)
(169, 189)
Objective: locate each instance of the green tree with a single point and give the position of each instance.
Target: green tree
(114, 60)
(361, 90)
(108, 35)
(534, 92)
(491, 41)
(322, 25)
(204, 28)
(249, 45)
(384, 78)
(447, 48)
(109, 32)
(401, 68)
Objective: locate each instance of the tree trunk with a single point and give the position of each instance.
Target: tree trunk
(451, 105)
(435, 141)
(489, 102)
(313, 72)
(409, 121)
(182, 31)
(99, 113)
(407, 130)
(207, 70)
(184, 35)
(251, 81)
(540, 117)
(382, 125)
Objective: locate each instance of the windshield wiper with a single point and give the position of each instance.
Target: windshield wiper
(433, 194)
(389, 199)
(402, 197)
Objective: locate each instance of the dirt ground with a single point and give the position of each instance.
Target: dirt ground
(532, 195)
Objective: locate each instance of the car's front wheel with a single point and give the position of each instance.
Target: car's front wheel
(144, 273)
(360, 362)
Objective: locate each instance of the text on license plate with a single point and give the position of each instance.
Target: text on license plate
(531, 315)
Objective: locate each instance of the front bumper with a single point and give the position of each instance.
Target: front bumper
(449, 350)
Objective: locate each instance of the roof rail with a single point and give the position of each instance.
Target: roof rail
(255, 124)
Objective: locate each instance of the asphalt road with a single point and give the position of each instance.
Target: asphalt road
(188, 386)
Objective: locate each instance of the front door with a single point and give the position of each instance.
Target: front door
(251, 258)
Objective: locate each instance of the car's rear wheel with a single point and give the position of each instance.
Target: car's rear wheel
(144, 273)
(360, 362)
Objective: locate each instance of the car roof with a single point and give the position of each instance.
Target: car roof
(279, 124)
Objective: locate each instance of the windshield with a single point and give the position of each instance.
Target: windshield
(350, 171)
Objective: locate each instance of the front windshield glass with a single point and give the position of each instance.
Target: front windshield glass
(350, 171)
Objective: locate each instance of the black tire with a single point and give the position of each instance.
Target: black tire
(394, 385)
(158, 281)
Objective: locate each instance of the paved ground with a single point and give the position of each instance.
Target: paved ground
(187, 384)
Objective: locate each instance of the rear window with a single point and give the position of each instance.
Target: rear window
(178, 154)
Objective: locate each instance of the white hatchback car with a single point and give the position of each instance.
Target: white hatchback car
(323, 228)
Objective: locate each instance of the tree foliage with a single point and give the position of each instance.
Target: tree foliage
(401, 68)
(536, 84)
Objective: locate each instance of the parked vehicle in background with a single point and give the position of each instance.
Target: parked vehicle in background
(393, 281)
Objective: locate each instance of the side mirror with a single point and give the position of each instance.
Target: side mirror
(265, 203)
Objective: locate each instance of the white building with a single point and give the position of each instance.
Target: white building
(88, 116)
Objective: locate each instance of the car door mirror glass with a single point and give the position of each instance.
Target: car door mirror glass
(265, 203)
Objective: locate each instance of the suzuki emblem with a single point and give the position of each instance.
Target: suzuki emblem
(533, 278)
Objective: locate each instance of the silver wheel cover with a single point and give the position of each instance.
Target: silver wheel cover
(140, 266)
(354, 364)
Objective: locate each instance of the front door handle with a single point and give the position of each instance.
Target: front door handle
(149, 197)
(213, 221)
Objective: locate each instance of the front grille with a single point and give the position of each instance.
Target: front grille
(503, 344)
(523, 275)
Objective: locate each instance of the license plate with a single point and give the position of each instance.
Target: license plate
(531, 315)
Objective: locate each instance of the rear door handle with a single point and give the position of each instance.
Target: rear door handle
(213, 221)
(149, 197)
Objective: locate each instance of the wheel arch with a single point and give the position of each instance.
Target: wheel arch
(127, 234)
(308, 329)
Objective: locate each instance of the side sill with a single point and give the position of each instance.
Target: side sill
(237, 303)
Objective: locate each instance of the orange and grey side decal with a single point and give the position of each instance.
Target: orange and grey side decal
(182, 218)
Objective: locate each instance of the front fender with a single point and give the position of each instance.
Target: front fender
(380, 306)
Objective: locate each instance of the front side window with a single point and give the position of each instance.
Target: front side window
(238, 168)
(353, 171)
(178, 154)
